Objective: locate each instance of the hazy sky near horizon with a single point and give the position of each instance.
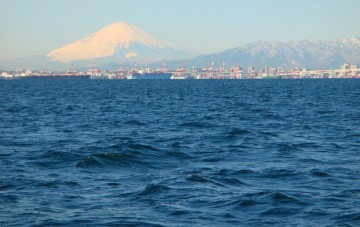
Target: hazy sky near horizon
(31, 27)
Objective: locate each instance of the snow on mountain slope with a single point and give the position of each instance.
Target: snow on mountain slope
(108, 41)
(302, 54)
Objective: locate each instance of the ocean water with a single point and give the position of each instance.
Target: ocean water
(179, 153)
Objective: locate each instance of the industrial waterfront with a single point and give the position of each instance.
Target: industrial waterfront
(182, 72)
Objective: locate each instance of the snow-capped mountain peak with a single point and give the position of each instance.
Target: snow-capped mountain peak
(107, 42)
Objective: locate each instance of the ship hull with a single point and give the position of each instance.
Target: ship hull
(152, 76)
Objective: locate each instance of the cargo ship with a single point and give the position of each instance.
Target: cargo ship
(150, 76)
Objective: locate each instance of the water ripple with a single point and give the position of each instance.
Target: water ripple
(187, 153)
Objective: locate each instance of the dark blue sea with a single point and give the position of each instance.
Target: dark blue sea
(179, 153)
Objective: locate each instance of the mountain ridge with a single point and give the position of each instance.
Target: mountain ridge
(306, 53)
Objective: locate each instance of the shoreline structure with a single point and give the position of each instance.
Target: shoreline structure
(208, 72)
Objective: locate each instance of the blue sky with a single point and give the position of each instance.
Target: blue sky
(30, 27)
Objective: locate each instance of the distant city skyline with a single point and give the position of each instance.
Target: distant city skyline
(205, 26)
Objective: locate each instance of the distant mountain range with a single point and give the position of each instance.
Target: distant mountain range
(124, 43)
(301, 54)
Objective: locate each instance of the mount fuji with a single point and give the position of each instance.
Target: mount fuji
(115, 43)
